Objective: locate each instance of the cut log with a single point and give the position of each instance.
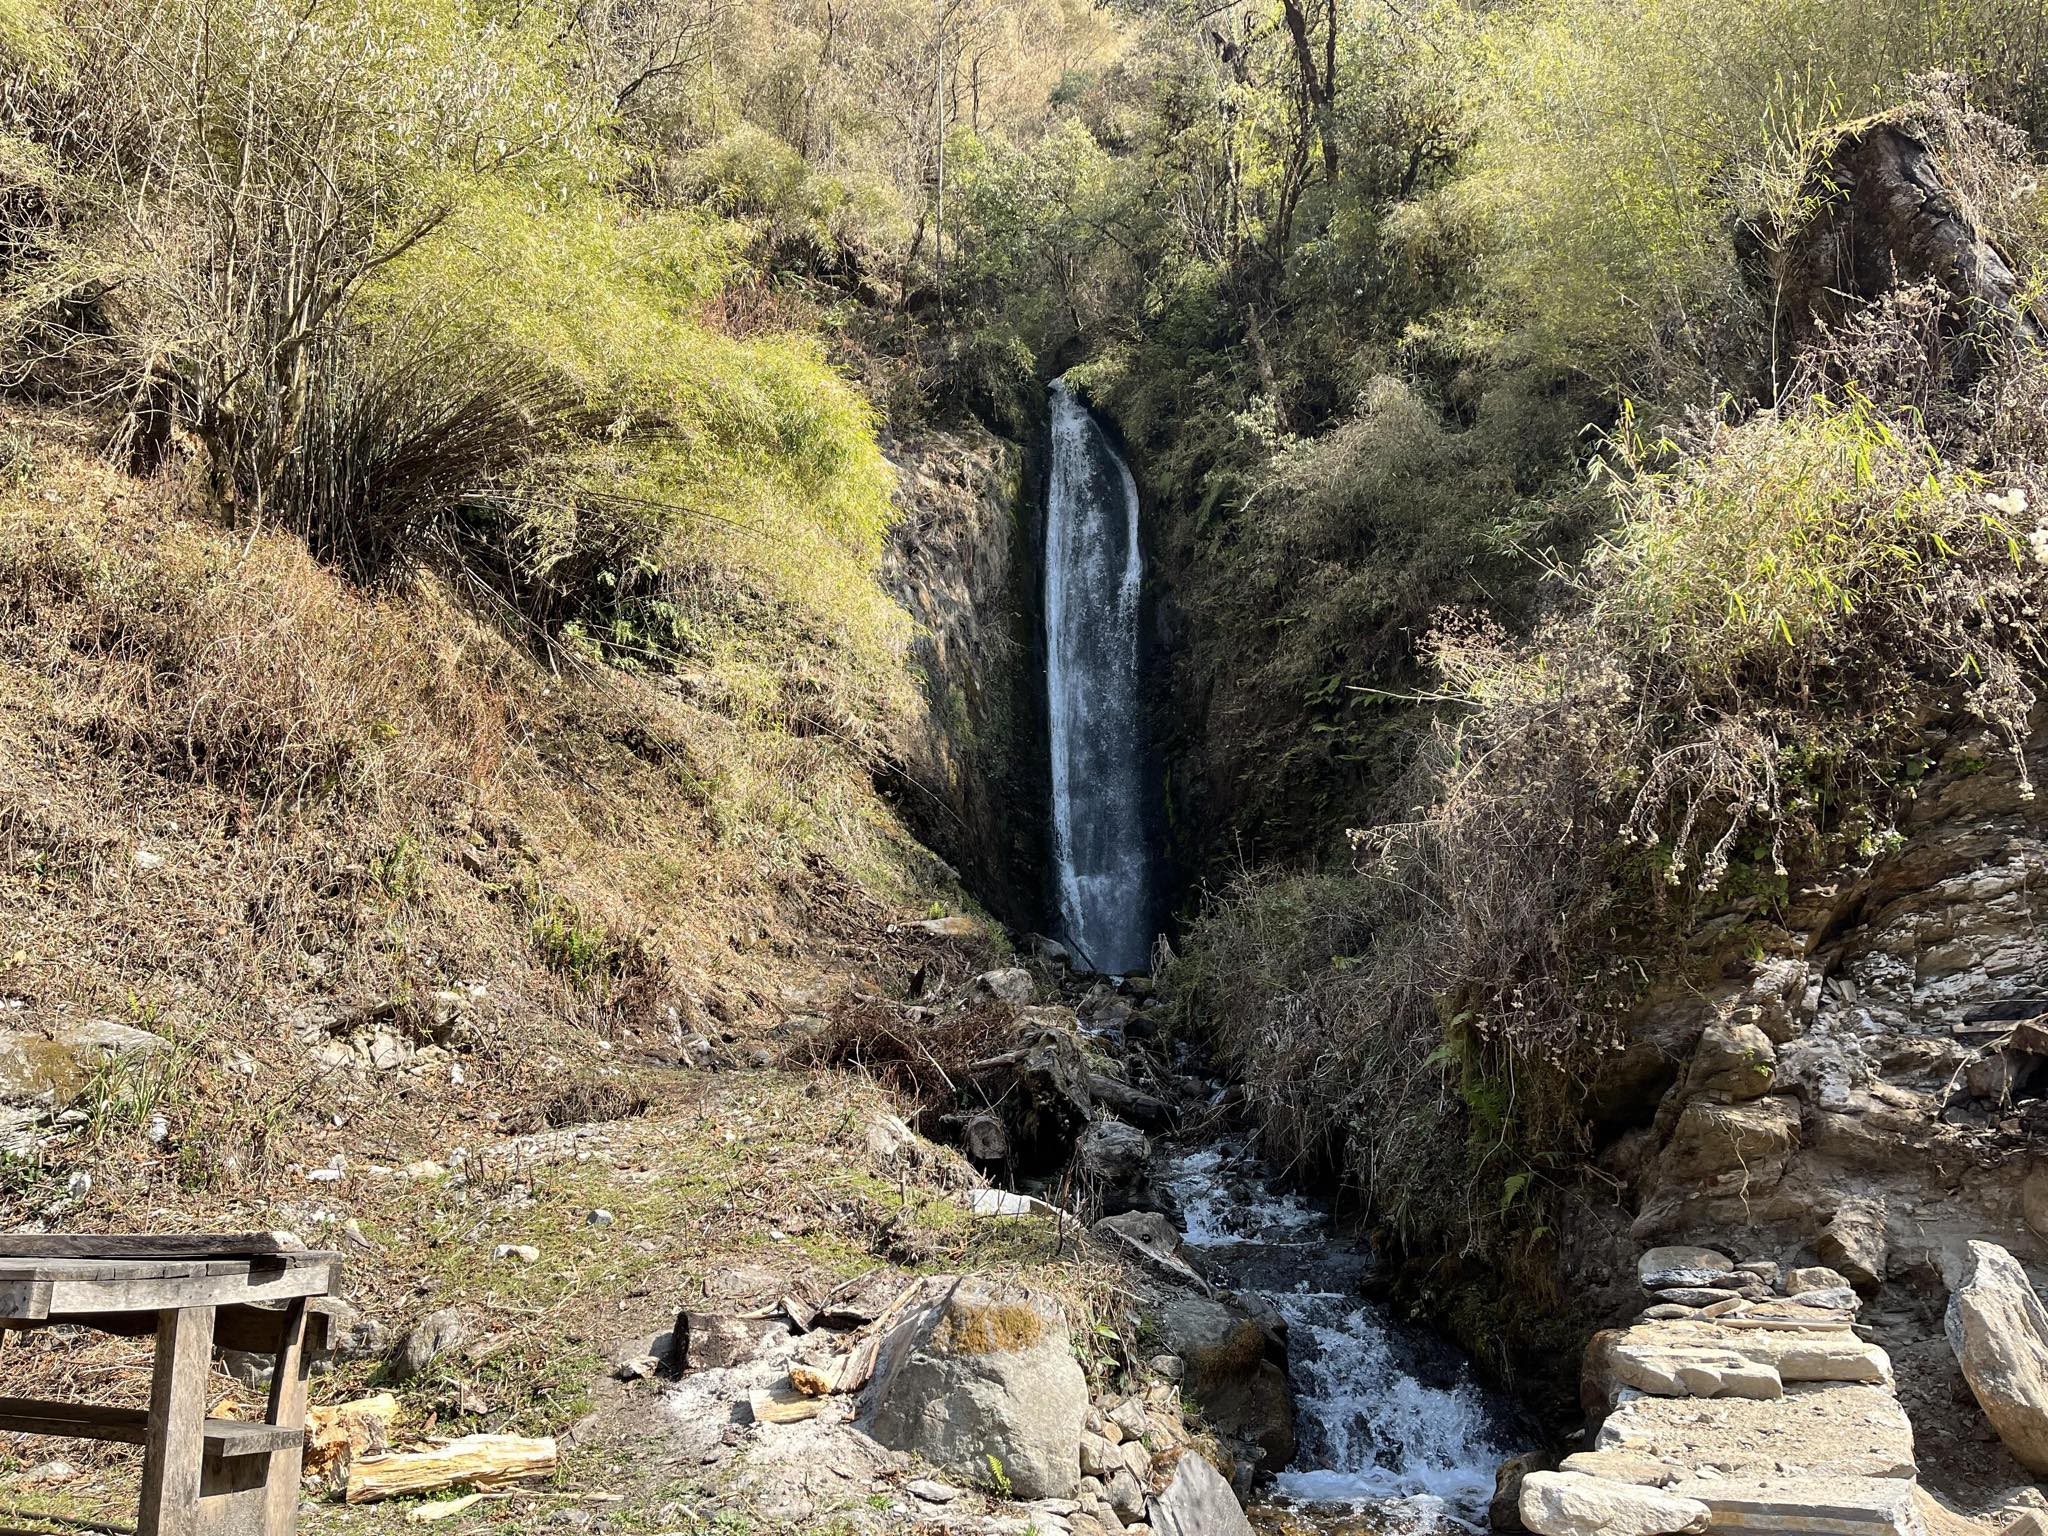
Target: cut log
(336, 1436)
(481, 1461)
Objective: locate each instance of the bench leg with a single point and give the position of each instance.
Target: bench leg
(288, 1408)
(175, 1435)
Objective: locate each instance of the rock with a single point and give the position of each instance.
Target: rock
(1732, 1061)
(1836, 1299)
(1573, 1504)
(931, 1490)
(986, 1139)
(1857, 1430)
(1148, 1229)
(1012, 985)
(351, 1333)
(599, 1218)
(1197, 1502)
(1697, 1295)
(1751, 1142)
(1242, 1393)
(1504, 1512)
(1663, 1269)
(1129, 1419)
(1766, 1271)
(1815, 1277)
(1099, 1457)
(1854, 1243)
(978, 1368)
(1126, 1494)
(708, 1341)
(50, 1067)
(1110, 1155)
(1621, 1467)
(524, 1253)
(890, 1141)
(430, 1338)
(1999, 1333)
(1167, 1367)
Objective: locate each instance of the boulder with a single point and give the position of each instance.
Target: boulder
(1504, 1512)
(1662, 1269)
(1999, 1333)
(1854, 1243)
(1573, 1504)
(1225, 1369)
(979, 1368)
(428, 1340)
(1751, 1141)
(49, 1067)
(1732, 1061)
(1010, 985)
(1197, 1502)
(1110, 1156)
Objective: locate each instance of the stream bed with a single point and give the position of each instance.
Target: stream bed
(1395, 1433)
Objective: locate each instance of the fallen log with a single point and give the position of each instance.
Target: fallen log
(481, 1461)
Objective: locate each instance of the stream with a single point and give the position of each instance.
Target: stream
(1393, 1432)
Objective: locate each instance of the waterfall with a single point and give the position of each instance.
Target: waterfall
(1093, 574)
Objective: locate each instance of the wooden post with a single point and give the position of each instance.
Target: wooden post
(288, 1408)
(174, 1437)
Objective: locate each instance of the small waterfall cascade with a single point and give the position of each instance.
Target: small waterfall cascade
(1094, 571)
(1395, 1435)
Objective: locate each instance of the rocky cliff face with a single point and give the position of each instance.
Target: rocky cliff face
(1863, 1086)
(962, 561)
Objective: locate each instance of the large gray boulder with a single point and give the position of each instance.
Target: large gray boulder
(1999, 1333)
(982, 1369)
(1197, 1502)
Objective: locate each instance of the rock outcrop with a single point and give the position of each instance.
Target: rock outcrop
(1901, 1009)
(980, 1379)
(963, 562)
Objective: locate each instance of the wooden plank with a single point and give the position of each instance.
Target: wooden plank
(146, 1245)
(229, 1438)
(287, 1416)
(130, 1426)
(253, 1326)
(172, 1448)
(82, 1421)
(24, 1300)
(73, 1298)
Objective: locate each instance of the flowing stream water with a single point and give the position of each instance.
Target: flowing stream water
(1393, 1432)
(1094, 572)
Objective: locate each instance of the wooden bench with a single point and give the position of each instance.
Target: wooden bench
(200, 1476)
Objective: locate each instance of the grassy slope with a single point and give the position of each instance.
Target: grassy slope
(345, 802)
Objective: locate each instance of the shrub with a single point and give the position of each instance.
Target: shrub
(1621, 141)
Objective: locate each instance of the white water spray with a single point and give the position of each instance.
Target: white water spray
(1094, 571)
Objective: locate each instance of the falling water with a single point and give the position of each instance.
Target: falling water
(1093, 573)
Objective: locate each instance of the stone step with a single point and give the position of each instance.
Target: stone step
(1850, 1430)
(1695, 1359)
(1806, 1506)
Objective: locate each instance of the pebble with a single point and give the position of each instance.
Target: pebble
(931, 1490)
(525, 1253)
(599, 1218)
